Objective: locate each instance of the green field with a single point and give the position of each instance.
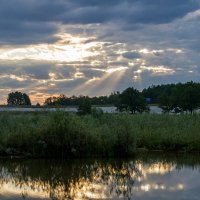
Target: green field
(59, 134)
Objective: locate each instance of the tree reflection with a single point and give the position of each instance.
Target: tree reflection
(70, 180)
(78, 179)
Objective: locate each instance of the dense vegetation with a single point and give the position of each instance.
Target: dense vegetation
(69, 135)
(92, 133)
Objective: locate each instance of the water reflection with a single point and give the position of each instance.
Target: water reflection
(145, 177)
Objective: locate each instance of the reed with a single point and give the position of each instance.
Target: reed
(66, 135)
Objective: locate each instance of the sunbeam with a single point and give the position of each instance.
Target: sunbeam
(105, 84)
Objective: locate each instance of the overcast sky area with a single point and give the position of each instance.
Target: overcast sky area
(95, 47)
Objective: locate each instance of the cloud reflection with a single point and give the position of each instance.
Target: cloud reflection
(80, 180)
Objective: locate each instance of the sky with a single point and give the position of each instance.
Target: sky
(95, 47)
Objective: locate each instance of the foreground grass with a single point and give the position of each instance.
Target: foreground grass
(61, 134)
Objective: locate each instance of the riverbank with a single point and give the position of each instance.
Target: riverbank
(67, 135)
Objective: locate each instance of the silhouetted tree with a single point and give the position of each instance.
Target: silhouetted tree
(131, 100)
(85, 106)
(18, 99)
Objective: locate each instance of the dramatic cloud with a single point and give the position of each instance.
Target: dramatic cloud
(95, 47)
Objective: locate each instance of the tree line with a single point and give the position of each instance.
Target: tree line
(176, 98)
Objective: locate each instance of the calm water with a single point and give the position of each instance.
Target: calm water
(143, 177)
(109, 109)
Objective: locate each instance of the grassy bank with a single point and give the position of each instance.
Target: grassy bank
(68, 135)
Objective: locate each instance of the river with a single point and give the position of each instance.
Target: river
(106, 109)
(144, 177)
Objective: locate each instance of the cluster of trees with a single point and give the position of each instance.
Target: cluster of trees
(63, 100)
(177, 98)
(180, 98)
(170, 97)
(130, 100)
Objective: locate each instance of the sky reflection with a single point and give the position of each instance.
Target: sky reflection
(79, 180)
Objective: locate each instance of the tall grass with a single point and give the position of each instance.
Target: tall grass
(62, 134)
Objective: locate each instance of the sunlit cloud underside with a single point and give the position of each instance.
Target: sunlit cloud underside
(91, 66)
(98, 47)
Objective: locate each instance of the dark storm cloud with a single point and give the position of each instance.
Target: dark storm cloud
(16, 32)
(28, 21)
(31, 21)
(133, 12)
